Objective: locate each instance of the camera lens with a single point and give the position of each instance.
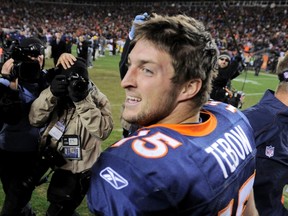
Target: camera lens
(79, 85)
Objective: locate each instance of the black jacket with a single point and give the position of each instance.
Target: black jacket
(225, 75)
(124, 57)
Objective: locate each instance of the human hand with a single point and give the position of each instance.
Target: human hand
(240, 58)
(7, 67)
(138, 19)
(59, 86)
(66, 60)
(6, 70)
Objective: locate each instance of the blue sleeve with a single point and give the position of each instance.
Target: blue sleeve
(5, 82)
(261, 120)
(10, 105)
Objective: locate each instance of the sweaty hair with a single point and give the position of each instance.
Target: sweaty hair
(192, 49)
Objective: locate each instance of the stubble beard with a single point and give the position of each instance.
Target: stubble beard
(152, 114)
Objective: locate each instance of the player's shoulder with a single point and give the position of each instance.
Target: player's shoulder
(145, 133)
(220, 109)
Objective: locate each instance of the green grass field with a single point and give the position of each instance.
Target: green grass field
(106, 76)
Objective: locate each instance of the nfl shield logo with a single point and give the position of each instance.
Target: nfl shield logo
(269, 152)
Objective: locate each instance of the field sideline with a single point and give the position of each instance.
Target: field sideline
(106, 76)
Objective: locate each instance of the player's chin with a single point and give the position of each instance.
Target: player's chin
(132, 108)
(129, 115)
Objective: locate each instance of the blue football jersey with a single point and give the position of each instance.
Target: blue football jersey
(178, 169)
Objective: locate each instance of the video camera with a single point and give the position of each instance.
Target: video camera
(24, 67)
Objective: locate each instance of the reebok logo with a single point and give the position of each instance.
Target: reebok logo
(113, 178)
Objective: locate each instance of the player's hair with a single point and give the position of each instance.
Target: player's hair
(282, 65)
(192, 49)
(282, 72)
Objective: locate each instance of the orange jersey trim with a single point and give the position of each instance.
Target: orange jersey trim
(199, 129)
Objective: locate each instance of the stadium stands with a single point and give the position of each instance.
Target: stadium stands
(257, 25)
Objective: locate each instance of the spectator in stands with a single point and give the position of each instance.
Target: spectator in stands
(268, 119)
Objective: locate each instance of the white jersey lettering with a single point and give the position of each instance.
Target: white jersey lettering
(230, 150)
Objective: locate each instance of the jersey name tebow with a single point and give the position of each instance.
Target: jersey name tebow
(229, 150)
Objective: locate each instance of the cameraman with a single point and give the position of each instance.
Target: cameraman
(78, 119)
(21, 83)
(228, 69)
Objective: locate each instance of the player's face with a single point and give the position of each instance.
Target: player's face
(150, 94)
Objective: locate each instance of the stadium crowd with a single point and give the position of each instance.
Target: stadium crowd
(255, 27)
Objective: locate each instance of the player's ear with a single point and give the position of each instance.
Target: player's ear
(190, 89)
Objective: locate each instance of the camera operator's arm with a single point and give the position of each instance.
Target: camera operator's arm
(10, 105)
(95, 113)
(234, 67)
(239, 65)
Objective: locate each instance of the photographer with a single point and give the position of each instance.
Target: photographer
(21, 83)
(78, 119)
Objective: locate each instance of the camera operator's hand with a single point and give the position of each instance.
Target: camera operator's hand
(7, 67)
(6, 72)
(59, 86)
(77, 95)
(138, 19)
(238, 57)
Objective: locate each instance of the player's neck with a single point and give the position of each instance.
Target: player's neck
(192, 120)
(282, 96)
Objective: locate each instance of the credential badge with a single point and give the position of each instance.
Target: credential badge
(113, 178)
(269, 152)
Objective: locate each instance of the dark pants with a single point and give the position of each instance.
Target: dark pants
(15, 168)
(66, 192)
